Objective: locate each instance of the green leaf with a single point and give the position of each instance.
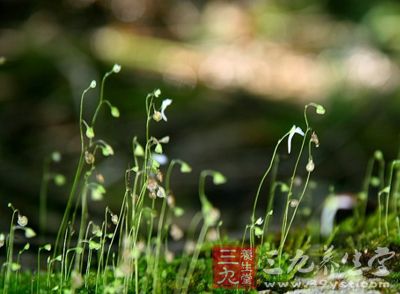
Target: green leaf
(218, 178)
(47, 247)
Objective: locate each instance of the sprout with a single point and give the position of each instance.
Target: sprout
(320, 109)
(107, 150)
(293, 131)
(47, 247)
(116, 68)
(26, 247)
(89, 132)
(94, 245)
(284, 188)
(185, 168)
(22, 220)
(164, 105)
(93, 84)
(29, 233)
(139, 151)
(218, 178)
(114, 111)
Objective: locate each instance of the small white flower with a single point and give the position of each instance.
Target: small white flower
(157, 116)
(259, 221)
(294, 130)
(22, 220)
(114, 219)
(2, 239)
(164, 105)
(161, 192)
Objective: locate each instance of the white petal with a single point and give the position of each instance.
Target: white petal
(164, 105)
(294, 130)
(299, 131)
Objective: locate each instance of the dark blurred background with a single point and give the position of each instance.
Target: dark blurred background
(239, 74)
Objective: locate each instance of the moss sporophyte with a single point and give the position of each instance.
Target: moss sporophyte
(133, 248)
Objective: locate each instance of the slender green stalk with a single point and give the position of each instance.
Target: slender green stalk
(10, 246)
(77, 177)
(252, 219)
(271, 197)
(160, 226)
